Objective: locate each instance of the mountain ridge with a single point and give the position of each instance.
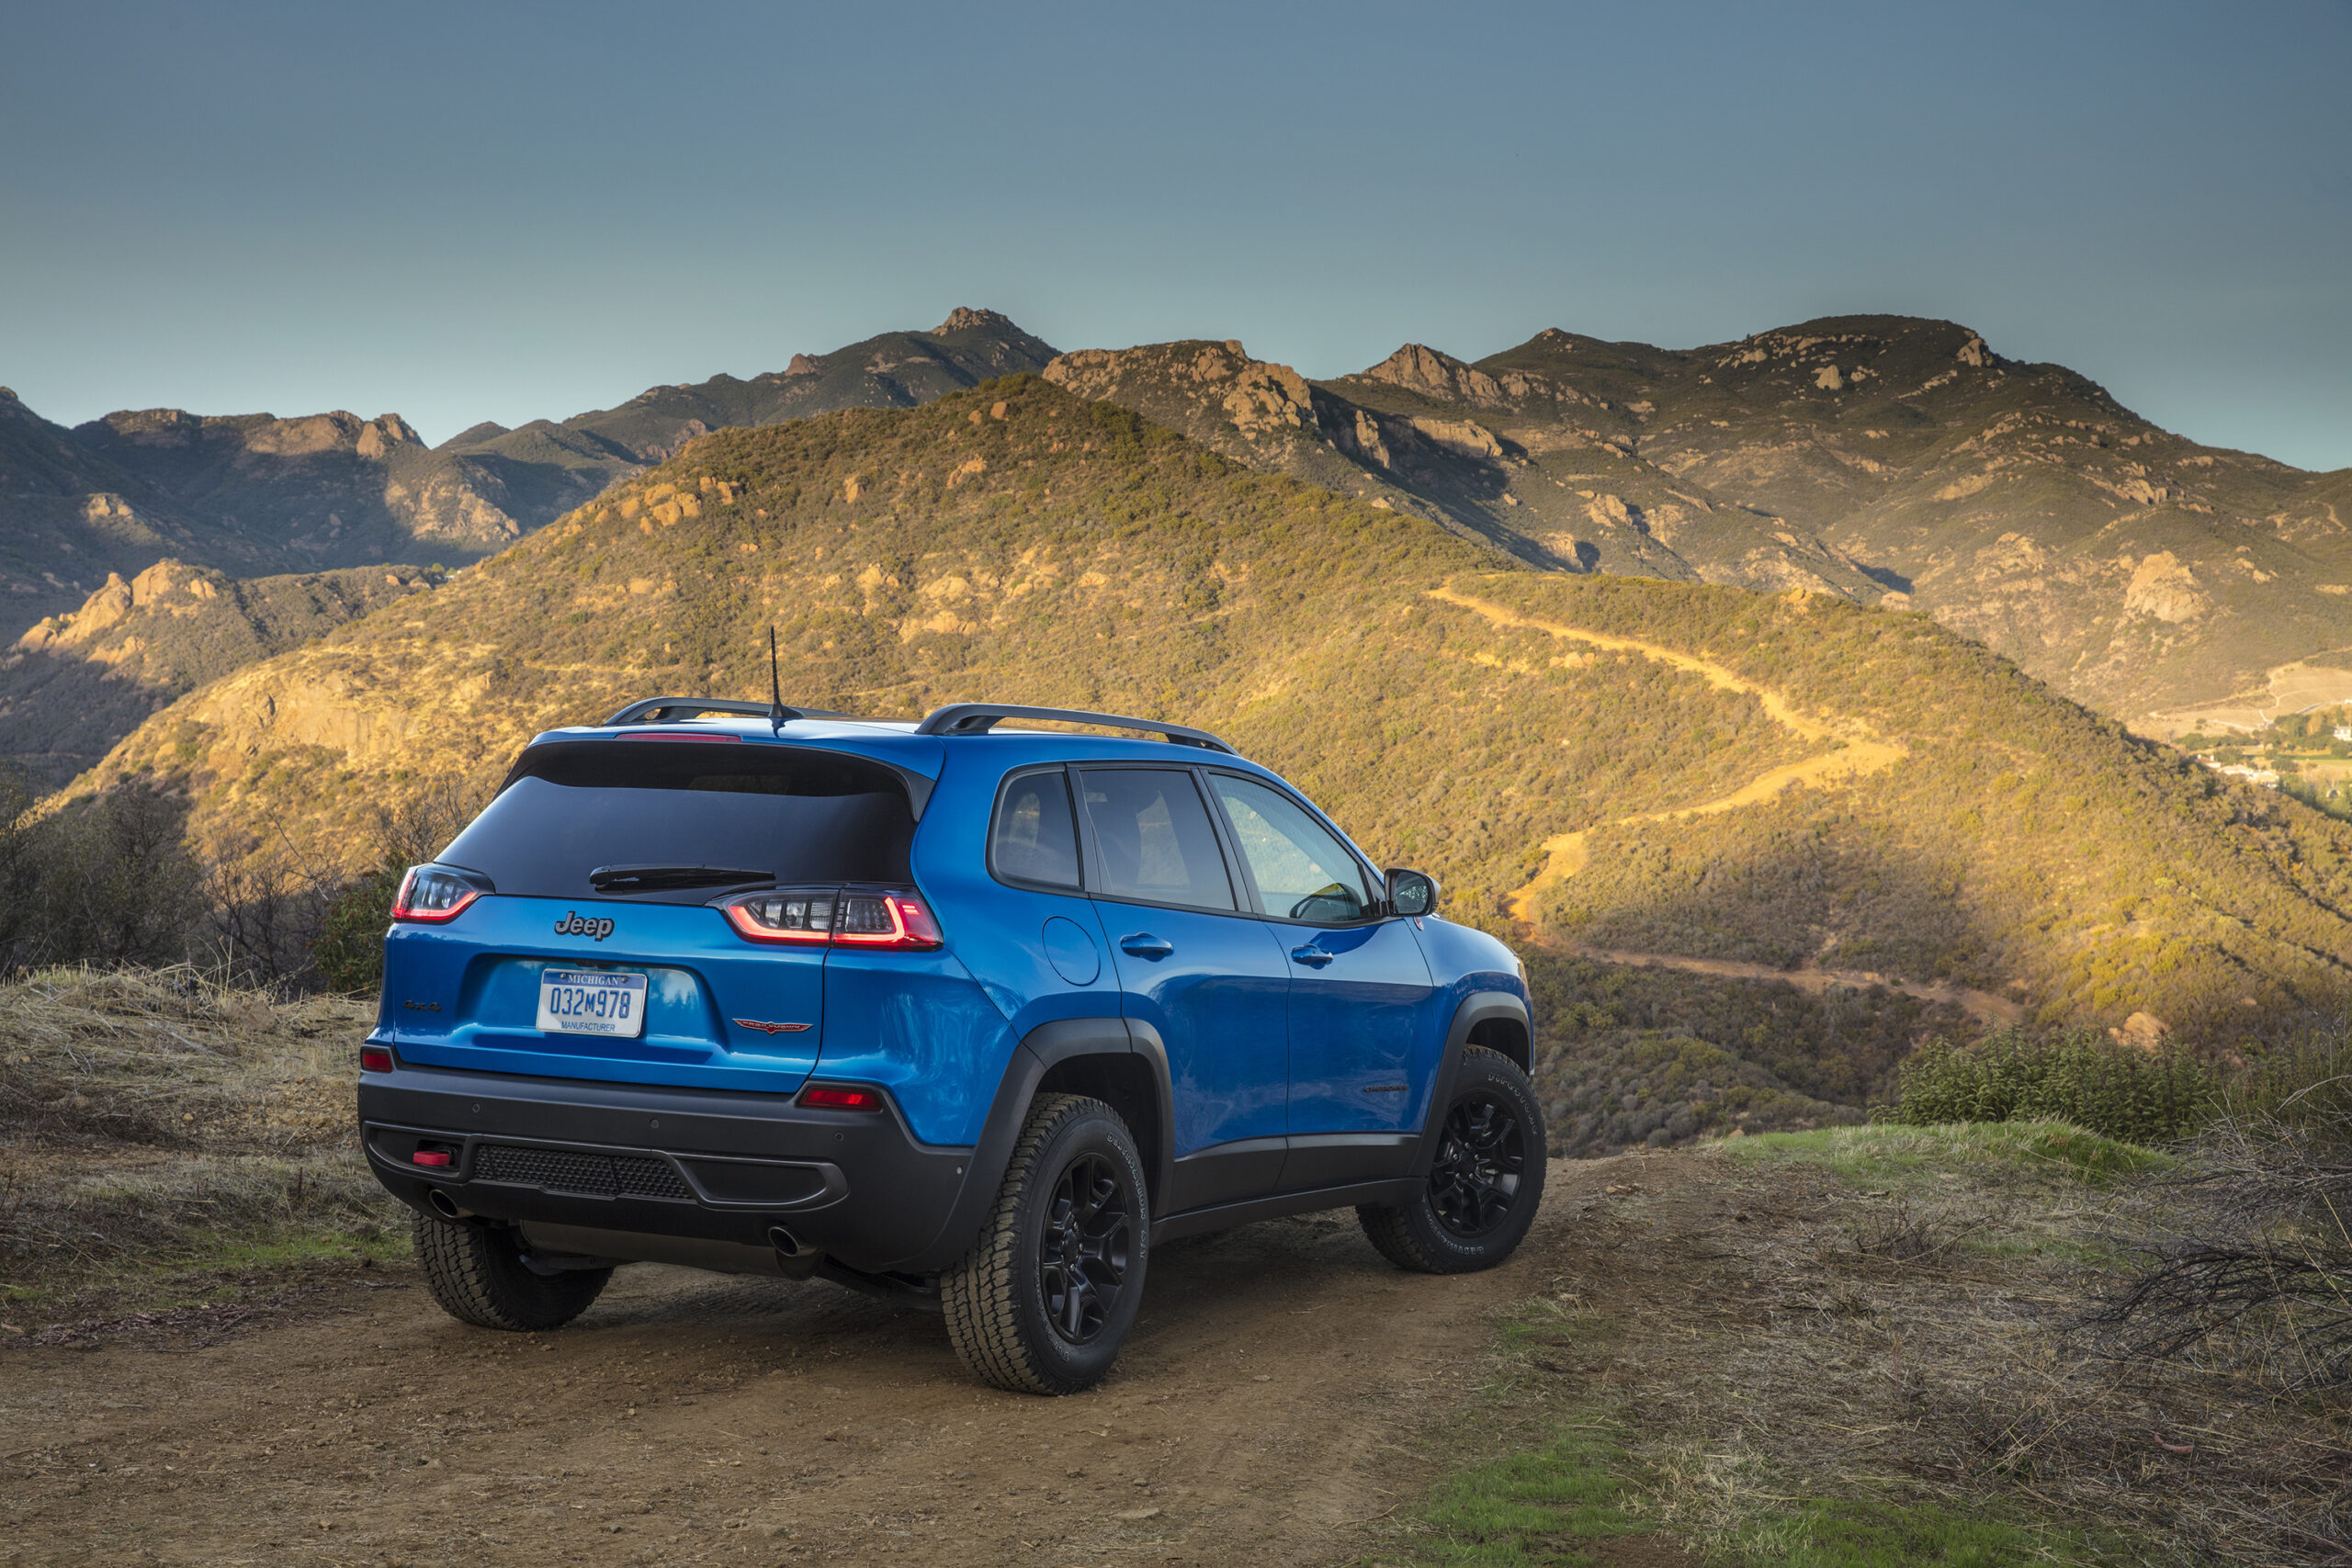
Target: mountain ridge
(1016, 542)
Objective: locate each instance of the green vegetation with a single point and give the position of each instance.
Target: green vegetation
(1895, 1154)
(2137, 1093)
(2129, 1092)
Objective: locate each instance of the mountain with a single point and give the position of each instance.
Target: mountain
(327, 489)
(890, 370)
(87, 512)
(68, 517)
(74, 684)
(2019, 503)
(1557, 497)
(1792, 790)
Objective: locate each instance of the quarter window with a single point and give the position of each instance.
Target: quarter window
(1034, 839)
(1301, 872)
(1156, 842)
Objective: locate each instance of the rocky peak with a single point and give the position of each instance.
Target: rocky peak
(963, 318)
(803, 366)
(380, 435)
(1425, 370)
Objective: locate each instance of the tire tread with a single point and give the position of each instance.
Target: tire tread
(471, 1272)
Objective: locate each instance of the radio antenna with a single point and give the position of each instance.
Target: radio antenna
(777, 712)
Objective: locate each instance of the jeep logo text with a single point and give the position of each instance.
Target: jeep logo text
(572, 925)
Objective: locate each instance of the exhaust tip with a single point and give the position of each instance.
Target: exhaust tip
(442, 1204)
(785, 1242)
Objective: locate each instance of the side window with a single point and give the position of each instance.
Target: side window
(1301, 872)
(1156, 842)
(1034, 839)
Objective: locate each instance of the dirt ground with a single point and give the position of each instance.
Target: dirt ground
(1269, 1409)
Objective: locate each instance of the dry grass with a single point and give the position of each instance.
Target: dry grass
(159, 1117)
(1860, 1314)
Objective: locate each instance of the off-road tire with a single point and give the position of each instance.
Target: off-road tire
(995, 1296)
(479, 1276)
(1418, 1234)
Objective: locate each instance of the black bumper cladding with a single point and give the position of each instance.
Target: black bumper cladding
(662, 1165)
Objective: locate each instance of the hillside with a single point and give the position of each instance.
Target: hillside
(2019, 503)
(1624, 765)
(255, 494)
(1561, 501)
(75, 684)
(68, 516)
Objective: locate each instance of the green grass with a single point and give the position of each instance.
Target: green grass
(1888, 1155)
(1549, 1506)
(1874, 1534)
(1528, 1508)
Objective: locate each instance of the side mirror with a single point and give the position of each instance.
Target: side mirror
(1411, 892)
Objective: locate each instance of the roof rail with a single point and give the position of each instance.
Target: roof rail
(979, 719)
(677, 710)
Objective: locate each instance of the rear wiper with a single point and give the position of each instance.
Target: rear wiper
(658, 878)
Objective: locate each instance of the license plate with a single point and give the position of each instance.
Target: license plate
(591, 1001)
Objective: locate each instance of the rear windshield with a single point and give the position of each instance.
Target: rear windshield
(674, 822)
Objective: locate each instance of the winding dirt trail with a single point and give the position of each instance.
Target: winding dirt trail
(1988, 1005)
(1856, 750)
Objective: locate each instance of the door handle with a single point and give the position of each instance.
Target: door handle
(1143, 944)
(1312, 956)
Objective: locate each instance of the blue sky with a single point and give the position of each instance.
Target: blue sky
(507, 211)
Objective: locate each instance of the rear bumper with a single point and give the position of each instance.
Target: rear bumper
(666, 1163)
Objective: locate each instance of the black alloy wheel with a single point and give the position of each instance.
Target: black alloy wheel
(1479, 1166)
(1082, 1254)
(1050, 1289)
(1485, 1179)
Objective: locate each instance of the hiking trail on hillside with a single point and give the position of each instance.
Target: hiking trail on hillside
(1854, 751)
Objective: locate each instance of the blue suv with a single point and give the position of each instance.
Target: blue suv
(957, 1014)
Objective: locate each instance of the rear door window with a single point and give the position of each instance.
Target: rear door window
(1035, 840)
(1303, 872)
(1154, 841)
(680, 822)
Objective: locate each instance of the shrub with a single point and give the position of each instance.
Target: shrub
(2126, 1092)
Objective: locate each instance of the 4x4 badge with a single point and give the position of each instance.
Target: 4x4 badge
(765, 1028)
(572, 925)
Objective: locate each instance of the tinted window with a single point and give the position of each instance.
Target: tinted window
(1033, 838)
(1156, 840)
(1301, 872)
(789, 815)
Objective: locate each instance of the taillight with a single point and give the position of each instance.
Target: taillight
(434, 894)
(843, 916)
(824, 1097)
(803, 917)
(375, 1060)
(884, 920)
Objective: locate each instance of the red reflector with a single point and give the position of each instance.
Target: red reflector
(431, 1156)
(841, 1099)
(375, 1060)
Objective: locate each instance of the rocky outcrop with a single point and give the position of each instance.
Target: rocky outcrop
(2162, 587)
(1419, 368)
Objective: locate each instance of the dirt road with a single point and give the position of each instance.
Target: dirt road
(1263, 1413)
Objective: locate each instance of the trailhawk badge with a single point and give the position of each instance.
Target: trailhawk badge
(767, 1028)
(572, 924)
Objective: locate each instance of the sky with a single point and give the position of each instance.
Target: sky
(512, 211)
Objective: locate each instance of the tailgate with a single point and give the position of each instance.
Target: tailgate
(717, 1012)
